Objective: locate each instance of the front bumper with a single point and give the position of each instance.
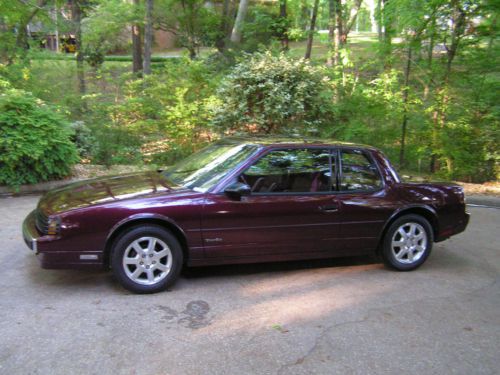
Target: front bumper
(54, 252)
(30, 233)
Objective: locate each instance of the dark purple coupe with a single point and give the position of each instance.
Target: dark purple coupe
(244, 201)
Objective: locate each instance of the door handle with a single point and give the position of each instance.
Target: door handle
(329, 208)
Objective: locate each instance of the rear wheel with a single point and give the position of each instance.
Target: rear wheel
(407, 243)
(146, 259)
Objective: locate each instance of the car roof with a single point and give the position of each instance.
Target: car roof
(280, 141)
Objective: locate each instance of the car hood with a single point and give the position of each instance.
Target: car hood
(103, 190)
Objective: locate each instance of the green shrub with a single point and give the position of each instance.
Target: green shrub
(34, 140)
(116, 145)
(296, 34)
(274, 94)
(83, 138)
(157, 118)
(262, 28)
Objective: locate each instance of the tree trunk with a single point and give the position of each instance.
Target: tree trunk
(430, 56)
(339, 21)
(439, 115)
(192, 51)
(331, 32)
(304, 16)
(238, 23)
(56, 27)
(136, 45)
(148, 37)
(387, 22)
(350, 21)
(283, 16)
(373, 21)
(76, 15)
(430, 51)
(220, 43)
(387, 36)
(379, 20)
(312, 26)
(405, 106)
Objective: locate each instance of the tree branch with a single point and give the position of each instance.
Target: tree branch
(350, 22)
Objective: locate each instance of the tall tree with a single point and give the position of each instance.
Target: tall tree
(238, 23)
(284, 25)
(77, 15)
(331, 32)
(345, 18)
(148, 37)
(406, 91)
(220, 42)
(192, 22)
(339, 25)
(415, 18)
(136, 43)
(312, 27)
(460, 13)
(387, 12)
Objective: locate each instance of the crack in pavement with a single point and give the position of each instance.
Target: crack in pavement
(317, 340)
(377, 311)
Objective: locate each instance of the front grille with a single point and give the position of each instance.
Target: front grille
(41, 221)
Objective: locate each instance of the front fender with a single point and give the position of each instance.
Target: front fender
(143, 217)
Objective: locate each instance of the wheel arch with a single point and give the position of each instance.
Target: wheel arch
(426, 212)
(136, 220)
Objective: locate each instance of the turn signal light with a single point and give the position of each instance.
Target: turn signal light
(53, 227)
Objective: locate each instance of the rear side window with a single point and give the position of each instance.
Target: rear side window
(359, 172)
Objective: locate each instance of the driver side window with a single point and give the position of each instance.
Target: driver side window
(292, 170)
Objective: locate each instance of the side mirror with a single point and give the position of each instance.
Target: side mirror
(237, 190)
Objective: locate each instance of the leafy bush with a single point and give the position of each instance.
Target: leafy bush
(157, 118)
(116, 145)
(94, 55)
(273, 94)
(262, 28)
(296, 34)
(83, 139)
(34, 140)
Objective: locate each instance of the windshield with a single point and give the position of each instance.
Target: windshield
(204, 169)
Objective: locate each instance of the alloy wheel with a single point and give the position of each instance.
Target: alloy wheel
(409, 243)
(147, 260)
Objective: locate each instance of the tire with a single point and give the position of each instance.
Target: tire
(407, 243)
(151, 249)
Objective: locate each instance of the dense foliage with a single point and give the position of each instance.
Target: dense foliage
(419, 79)
(270, 94)
(154, 119)
(35, 141)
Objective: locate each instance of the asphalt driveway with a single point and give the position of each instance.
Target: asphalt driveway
(348, 316)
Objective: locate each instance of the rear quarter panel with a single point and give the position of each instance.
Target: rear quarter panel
(447, 200)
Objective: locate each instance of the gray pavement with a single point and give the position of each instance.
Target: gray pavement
(483, 200)
(348, 316)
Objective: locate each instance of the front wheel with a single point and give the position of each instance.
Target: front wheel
(146, 259)
(407, 243)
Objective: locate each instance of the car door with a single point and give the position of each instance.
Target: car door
(363, 203)
(291, 208)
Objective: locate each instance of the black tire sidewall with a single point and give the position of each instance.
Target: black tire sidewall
(130, 235)
(388, 256)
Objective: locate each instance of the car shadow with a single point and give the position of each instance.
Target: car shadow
(103, 279)
(256, 268)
